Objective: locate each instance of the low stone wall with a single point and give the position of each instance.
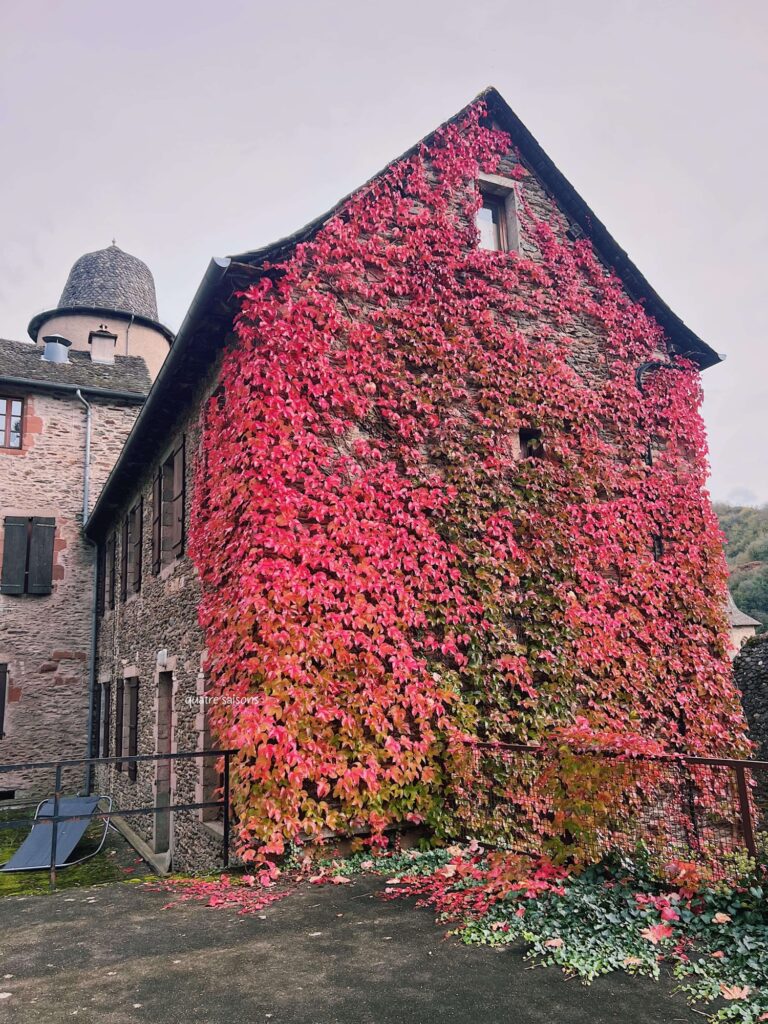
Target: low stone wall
(750, 673)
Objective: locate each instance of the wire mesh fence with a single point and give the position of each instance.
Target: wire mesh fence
(533, 800)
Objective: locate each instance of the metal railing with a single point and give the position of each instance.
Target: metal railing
(703, 809)
(90, 762)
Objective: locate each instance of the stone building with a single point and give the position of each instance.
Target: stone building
(67, 404)
(742, 626)
(150, 670)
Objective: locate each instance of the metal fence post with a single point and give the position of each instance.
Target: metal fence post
(745, 811)
(54, 834)
(226, 809)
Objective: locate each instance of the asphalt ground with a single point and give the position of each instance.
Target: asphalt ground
(323, 955)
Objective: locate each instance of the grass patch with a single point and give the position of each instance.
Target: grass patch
(117, 861)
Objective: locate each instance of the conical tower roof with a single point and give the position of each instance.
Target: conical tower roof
(111, 279)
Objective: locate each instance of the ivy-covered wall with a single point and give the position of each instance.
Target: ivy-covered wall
(384, 575)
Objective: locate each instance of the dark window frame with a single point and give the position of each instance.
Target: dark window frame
(6, 419)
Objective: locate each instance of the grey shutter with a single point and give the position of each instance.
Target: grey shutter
(179, 487)
(14, 555)
(157, 511)
(41, 556)
(133, 727)
(3, 689)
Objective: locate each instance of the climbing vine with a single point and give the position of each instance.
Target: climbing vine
(385, 574)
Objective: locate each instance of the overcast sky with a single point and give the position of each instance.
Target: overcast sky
(192, 129)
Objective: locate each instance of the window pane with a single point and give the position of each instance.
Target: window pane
(488, 223)
(2, 406)
(15, 439)
(16, 408)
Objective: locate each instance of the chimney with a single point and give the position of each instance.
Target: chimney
(55, 350)
(102, 344)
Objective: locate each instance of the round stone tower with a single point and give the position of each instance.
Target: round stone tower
(108, 308)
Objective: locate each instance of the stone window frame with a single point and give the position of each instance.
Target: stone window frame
(495, 186)
(208, 780)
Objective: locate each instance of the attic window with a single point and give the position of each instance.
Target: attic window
(496, 220)
(491, 224)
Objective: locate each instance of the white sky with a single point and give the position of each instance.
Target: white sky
(192, 129)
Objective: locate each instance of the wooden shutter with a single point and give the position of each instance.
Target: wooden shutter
(15, 545)
(110, 573)
(119, 700)
(137, 527)
(179, 484)
(157, 519)
(3, 689)
(106, 714)
(101, 567)
(133, 726)
(124, 542)
(94, 738)
(40, 579)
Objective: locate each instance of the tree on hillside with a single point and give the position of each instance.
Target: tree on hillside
(746, 532)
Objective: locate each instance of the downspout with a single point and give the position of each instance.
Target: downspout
(92, 660)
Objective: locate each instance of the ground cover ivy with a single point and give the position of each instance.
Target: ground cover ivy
(385, 576)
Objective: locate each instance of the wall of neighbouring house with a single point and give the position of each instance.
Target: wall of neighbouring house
(45, 639)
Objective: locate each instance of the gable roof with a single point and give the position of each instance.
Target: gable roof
(210, 316)
(21, 365)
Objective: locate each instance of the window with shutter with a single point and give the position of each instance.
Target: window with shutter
(168, 511)
(133, 547)
(157, 520)
(28, 555)
(119, 702)
(110, 571)
(3, 696)
(15, 552)
(40, 575)
(124, 542)
(106, 714)
(101, 572)
(133, 726)
(177, 502)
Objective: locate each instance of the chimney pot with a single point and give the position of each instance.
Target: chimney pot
(55, 349)
(102, 344)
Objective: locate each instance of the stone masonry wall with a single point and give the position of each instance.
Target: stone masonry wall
(45, 640)
(156, 631)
